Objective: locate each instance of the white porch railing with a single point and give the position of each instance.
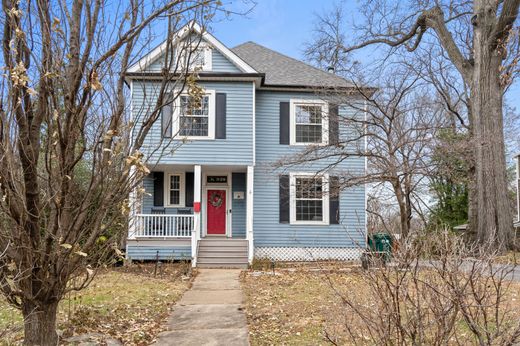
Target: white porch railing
(164, 225)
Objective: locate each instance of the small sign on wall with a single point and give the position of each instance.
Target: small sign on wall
(216, 179)
(238, 195)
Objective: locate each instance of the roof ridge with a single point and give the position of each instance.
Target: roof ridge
(294, 59)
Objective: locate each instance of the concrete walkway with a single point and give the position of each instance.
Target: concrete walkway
(210, 313)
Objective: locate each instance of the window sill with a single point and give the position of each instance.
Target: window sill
(309, 144)
(309, 223)
(195, 138)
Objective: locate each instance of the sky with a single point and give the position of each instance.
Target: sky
(282, 25)
(285, 26)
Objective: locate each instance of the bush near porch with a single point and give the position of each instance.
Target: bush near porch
(304, 305)
(129, 304)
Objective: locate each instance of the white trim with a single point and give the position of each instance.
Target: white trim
(325, 198)
(145, 61)
(229, 200)
(308, 253)
(182, 193)
(254, 124)
(324, 120)
(249, 211)
(211, 117)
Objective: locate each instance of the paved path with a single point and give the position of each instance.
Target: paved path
(210, 313)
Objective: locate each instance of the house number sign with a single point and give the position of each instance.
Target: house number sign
(220, 179)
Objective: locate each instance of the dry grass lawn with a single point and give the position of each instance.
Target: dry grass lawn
(129, 304)
(300, 306)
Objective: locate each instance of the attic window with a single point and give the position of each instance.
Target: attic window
(200, 57)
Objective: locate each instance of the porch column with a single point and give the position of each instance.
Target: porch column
(134, 208)
(249, 212)
(195, 236)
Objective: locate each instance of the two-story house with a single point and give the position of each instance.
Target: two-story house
(214, 195)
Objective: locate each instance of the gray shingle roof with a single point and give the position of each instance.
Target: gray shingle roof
(281, 70)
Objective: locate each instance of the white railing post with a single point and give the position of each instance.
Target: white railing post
(249, 213)
(195, 235)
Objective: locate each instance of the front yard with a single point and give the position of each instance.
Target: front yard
(128, 304)
(305, 306)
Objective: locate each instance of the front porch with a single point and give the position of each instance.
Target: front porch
(194, 203)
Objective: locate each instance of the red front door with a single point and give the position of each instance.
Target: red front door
(216, 211)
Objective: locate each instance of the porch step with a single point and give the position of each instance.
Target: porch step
(222, 253)
(222, 265)
(223, 242)
(203, 248)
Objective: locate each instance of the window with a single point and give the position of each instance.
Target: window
(175, 190)
(309, 199)
(200, 57)
(196, 118)
(308, 122)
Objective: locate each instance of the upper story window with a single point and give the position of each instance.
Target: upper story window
(308, 122)
(309, 199)
(196, 117)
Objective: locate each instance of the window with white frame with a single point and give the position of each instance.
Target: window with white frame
(199, 58)
(196, 116)
(308, 125)
(309, 199)
(175, 190)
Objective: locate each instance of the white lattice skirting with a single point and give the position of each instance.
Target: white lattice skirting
(307, 254)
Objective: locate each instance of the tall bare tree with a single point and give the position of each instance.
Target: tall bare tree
(480, 41)
(393, 128)
(69, 148)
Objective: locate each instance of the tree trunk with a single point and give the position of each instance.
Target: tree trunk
(40, 324)
(404, 220)
(494, 218)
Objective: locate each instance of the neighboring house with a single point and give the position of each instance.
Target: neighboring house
(216, 199)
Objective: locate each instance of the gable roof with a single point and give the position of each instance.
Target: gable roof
(191, 27)
(281, 70)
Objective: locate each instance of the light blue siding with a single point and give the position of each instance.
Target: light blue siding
(218, 61)
(222, 64)
(238, 213)
(236, 149)
(268, 232)
(164, 253)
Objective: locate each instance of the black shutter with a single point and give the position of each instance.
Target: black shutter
(284, 123)
(333, 124)
(220, 116)
(335, 190)
(189, 189)
(284, 199)
(166, 120)
(158, 189)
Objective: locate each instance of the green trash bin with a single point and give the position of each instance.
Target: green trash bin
(380, 244)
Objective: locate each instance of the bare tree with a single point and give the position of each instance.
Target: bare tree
(480, 41)
(457, 297)
(393, 128)
(69, 149)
